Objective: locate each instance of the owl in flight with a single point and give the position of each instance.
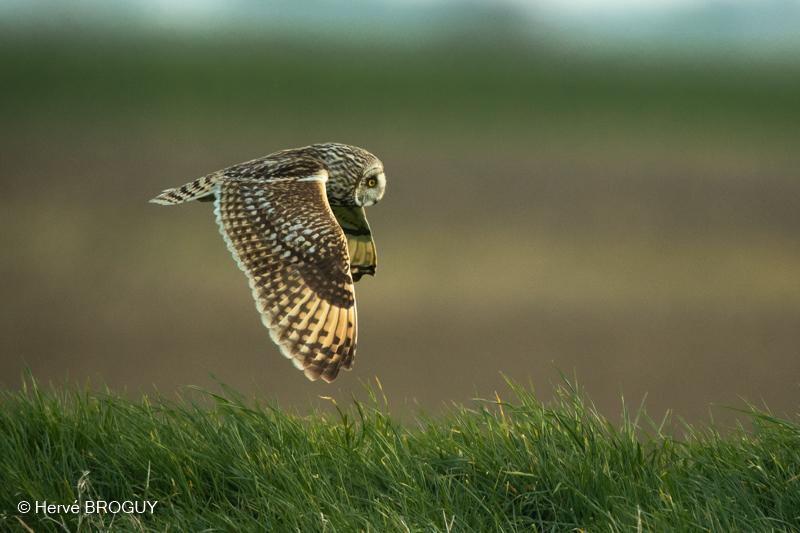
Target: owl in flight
(294, 222)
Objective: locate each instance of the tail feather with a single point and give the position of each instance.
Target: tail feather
(195, 190)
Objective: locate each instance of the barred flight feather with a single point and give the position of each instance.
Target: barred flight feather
(302, 297)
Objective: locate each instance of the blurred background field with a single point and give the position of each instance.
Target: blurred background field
(616, 197)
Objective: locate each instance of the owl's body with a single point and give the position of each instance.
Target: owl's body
(294, 222)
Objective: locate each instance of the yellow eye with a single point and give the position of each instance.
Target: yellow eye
(371, 182)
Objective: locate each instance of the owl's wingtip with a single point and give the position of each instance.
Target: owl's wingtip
(311, 373)
(327, 372)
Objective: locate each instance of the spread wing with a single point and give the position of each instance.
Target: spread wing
(286, 239)
(363, 256)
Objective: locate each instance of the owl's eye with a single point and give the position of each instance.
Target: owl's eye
(371, 182)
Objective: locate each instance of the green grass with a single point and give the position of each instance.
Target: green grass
(516, 465)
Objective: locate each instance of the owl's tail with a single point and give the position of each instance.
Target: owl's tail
(200, 189)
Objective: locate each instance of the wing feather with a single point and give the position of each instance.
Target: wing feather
(284, 236)
(361, 245)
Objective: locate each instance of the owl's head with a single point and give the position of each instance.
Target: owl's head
(371, 185)
(355, 176)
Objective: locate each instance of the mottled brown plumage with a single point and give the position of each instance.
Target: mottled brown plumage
(294, 221)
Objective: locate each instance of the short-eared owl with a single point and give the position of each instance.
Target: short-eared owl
(294, 222)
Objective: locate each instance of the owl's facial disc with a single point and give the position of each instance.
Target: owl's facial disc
(371, 188)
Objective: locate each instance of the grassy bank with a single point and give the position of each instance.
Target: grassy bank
(515, 465)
